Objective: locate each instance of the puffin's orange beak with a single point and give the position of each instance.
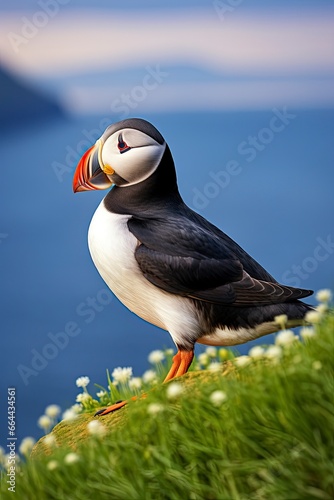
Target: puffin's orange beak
(89, 174)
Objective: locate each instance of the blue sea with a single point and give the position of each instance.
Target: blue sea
(266, 178)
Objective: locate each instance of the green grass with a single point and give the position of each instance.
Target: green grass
(272, 437)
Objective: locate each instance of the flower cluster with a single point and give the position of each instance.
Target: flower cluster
(284, 339)
(50, 418)
(174, 390)
(84, 400)
(121, 375)
(26, 446)
(69, 459)
(156, 357)
(324, 296)
(82, 382)
(96, 428)
(217, 398)
(72, 413)
(212, 358)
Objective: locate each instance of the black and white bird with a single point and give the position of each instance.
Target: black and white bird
(166, 263)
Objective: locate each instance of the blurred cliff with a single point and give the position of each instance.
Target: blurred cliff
(20, 103)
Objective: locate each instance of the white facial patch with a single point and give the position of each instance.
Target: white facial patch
(139, 162)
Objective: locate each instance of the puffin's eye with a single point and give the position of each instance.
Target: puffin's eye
(122, 145)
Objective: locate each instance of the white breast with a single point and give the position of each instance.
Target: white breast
(112, 248)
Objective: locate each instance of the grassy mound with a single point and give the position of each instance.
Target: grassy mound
(261, 429)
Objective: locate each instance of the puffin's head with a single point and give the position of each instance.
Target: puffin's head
(127, 153)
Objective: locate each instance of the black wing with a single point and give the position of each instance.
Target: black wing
(190, 261)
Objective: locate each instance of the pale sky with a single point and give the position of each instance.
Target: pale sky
(298, 48)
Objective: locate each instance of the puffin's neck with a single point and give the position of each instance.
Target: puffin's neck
(150, 197)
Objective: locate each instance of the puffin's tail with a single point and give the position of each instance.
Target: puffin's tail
(295, 312)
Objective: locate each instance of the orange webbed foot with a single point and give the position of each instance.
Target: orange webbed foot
(110, 409)
(116, 406)
(181, 363)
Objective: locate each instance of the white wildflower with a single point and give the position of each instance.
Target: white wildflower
(155, 408)
(217, 398)
(316, 365)
(322, 308)
(156, 357)
(82, 382)
(50, 440)
(274, 352)
(215, 366)
(256, 352)
(313, 317)
(203, 359)
(285, 338)
(101, 394)
(82, 397)
(324, 295)
(77, 408)
(71, 458)
(27, 445)
(307, 332)
(135, 383)
(44, 422)
(211, 352)
(52, 465)
(169, 352)
(281, 320)
(174, 390)
(96, 428)
(149, 377)
(69, 415)
(52, 411)
(122, 375)
(242, 361)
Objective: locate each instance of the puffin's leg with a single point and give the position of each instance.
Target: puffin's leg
(181, 362)
(116, 406)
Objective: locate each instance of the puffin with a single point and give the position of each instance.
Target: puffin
(165, 262)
